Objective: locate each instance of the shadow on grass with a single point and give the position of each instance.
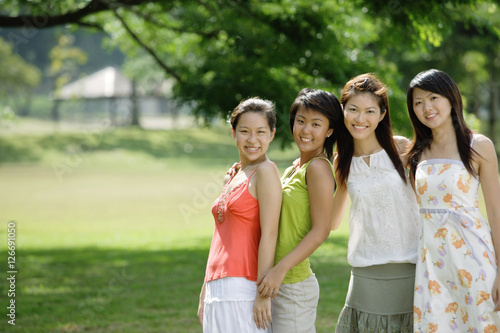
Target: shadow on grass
(100, 290)
(97, 290)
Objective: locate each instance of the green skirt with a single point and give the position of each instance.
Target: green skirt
(379, 299)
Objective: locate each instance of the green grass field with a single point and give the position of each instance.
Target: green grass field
(113, 228)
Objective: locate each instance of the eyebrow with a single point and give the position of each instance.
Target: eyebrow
(430, 93)
(370, 107)
(243, 126)
(317, 119)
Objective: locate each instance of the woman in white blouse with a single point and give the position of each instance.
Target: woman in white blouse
(383, 218)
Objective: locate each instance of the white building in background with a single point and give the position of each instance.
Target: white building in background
(108, 93)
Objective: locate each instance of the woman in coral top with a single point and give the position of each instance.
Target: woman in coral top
(246, 224)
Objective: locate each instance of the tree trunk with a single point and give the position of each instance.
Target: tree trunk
(494, 86)
(135, 108)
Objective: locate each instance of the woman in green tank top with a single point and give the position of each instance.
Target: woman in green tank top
(306, 212)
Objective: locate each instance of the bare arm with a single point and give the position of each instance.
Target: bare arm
(268, 189)
(320, 186)
(487, 169)
(339, 202)
(403, 145)
(201, 304)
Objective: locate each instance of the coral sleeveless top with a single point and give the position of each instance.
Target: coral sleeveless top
(235, 243)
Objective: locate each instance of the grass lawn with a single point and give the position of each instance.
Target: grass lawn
(113, 228)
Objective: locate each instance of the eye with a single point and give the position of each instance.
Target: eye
(299, 121)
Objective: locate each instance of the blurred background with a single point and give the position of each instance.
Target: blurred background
(114, 141)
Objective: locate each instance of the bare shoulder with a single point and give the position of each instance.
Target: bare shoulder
(402, 142)
(319, 165)
(267, 169)
(484, 146)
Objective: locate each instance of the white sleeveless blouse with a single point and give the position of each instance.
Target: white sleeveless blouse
(384, 217)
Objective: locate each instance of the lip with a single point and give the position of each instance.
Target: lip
(430, 116)
(359, 127)
(305, 140)
(252, 149)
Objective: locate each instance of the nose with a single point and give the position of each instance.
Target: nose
(360, 117)
(251, 137)
(306, 128)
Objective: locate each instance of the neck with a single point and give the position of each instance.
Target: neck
(443, 135)
(251, 164)
(309, 155)
(366, 147)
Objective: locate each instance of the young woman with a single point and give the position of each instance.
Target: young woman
(306, 213)
(246, 225)
(383, 231)
(457, 285)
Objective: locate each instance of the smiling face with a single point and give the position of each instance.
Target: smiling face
(310, 130)
(432, 109)
(252, 136)
(361, 116)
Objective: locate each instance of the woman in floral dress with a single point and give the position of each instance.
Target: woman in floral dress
(456, 284)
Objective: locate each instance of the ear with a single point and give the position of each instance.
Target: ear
(273, 132)
(232, 133)
(329, 132)
(382, 115)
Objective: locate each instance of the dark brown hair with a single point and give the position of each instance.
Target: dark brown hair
(367, 83)
(254, 104)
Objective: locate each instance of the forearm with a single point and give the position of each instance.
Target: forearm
(267, 249)
(304, 249)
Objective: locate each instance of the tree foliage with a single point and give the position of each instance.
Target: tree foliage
(220, 51)
(14, 70)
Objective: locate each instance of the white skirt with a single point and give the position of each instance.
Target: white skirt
(229, 306)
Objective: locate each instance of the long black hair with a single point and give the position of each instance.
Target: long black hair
(438, 82)
(325, 103)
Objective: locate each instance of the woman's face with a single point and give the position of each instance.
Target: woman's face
(361, 115)
(252, 136)
(310, 130)
(432, 109)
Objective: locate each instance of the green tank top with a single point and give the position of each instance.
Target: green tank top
(295, 220)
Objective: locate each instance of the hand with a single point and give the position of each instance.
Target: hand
(201, 304)
(201, 307)
(262, 312)
(234, 169)
(270, 282)
(495, 294)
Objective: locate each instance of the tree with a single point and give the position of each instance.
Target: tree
(221, 51)
(22, 77)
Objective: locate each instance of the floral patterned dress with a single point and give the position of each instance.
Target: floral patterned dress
(456, 264)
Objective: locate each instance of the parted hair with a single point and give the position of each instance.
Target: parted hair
(367, 83)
